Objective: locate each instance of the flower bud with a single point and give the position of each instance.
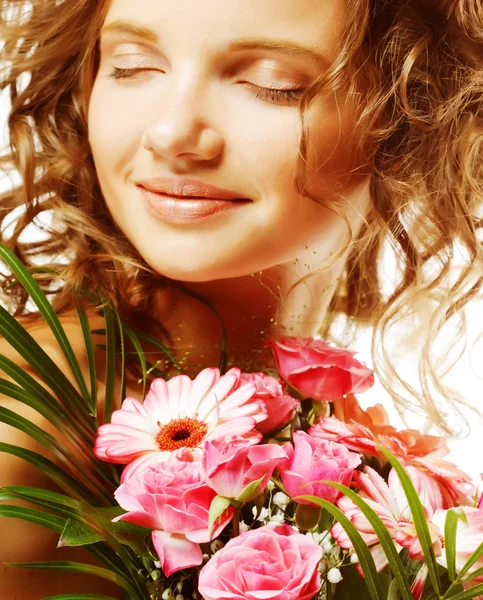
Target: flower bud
(307, 517)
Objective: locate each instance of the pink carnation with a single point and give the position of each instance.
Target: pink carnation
(318, 370)
(361, 430)
(281, 407)
(270, 562)
(233, 464)
(311, 461)
(173, 500)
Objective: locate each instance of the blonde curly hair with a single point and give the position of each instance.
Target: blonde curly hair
(414, 70)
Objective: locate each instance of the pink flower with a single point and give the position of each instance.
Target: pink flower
(390, 504)
(180, 413)
(360, 430)
(173, 500)
(311, 461)
(232, 464)
(281, 407)
(318, 370)
(469, 536)
(275, 563)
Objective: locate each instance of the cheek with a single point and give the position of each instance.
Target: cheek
(333, 164)
(115, 129)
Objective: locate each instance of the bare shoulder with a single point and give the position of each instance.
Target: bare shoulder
(24, 541)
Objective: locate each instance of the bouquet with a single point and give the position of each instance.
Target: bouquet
(238, 485)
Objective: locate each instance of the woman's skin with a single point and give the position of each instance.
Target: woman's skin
(194, 112)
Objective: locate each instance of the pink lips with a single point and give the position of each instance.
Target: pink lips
(181, 201)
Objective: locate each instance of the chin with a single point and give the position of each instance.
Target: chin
(194, 272)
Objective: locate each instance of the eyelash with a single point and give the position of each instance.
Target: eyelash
(273, 94)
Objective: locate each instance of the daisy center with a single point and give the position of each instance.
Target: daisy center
(181, 433)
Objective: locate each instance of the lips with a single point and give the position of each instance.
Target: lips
(189, 189)
(185, 210)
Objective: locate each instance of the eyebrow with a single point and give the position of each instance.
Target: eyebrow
(284, 46)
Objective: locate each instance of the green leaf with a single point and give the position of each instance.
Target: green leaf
(79, 597)
(372, 578)
(76, 567)
(251, 491)
(133, 339)
(50, 443)
(78, 534)
(419, 519)
(450, 532)
(66, 507)
(353, 587)
(468, 594)
(41, 497)
(152, 341)
(110, 378)
(43, 365)
(123, 359)
(91, 360)
(384, 538)
(44, 519)
(63, 479)
(393, 591)
(46, 310)
(34, 394)
(217, 507)
(477, 554)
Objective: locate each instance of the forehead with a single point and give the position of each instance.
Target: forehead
(201, 25)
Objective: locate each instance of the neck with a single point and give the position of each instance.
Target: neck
(251, 308)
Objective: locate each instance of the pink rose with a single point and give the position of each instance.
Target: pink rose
(231, 465)
(318, 370)
(312, 460)
(173, 500)
(270, 562)
(281, 407)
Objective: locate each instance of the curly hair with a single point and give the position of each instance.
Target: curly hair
(414, 70)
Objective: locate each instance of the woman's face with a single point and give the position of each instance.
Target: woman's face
(205, 100)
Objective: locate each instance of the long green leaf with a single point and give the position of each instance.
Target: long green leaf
(91, 361)
(79, 597)
(44, 519)
(110, 377)
(153, 341)
(63, 479)
(40, 496)
(33, 388)
(477, 554)
(419, 519)
(67, 507)
(55, 411)
(134, 341)
(77, 567)
(468, 594)
(42, 364)
(46, 310)
(384, 538)
(366, 561)
(56, 448)
(62, 423)
(122, 352)
(450, 532)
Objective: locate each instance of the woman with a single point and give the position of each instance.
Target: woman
(243, 163)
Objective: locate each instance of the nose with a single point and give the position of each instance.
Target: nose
(181, 128)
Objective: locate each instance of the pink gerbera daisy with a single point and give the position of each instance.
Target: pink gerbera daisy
(180, 413)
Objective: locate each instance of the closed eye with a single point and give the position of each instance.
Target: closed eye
(268, 94)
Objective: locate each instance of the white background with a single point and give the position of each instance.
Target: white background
(467, 376)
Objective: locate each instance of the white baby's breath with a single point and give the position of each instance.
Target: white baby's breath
(334, 575)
